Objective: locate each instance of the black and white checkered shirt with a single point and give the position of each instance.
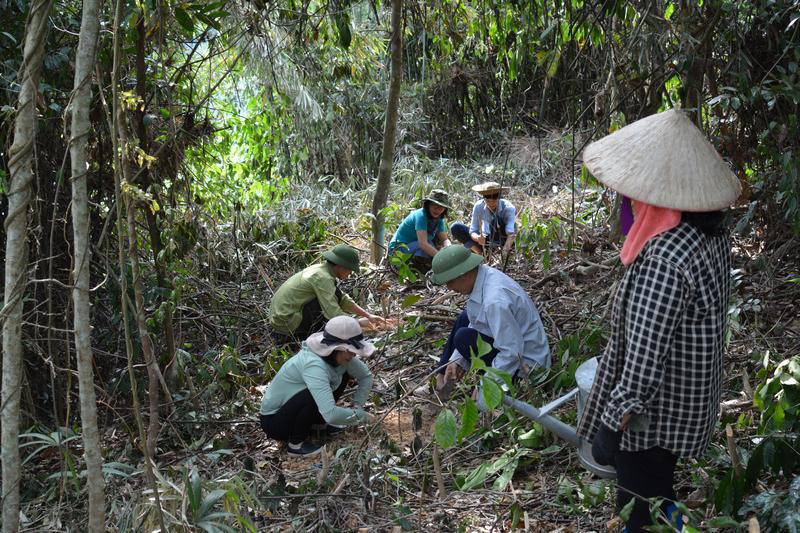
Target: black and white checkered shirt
(664, 358)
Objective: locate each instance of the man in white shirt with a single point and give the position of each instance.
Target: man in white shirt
(498, 310)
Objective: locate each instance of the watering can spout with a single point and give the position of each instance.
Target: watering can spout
(584, 376)
(548, 422)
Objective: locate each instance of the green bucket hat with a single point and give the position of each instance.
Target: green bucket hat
(344, 256)
(452, 262)
(439, 197)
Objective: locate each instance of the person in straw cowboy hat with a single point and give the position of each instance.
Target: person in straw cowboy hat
(656, 393)
(423, 230)
(493, 221)
(498, 310)
(305, 390)
(303, 302)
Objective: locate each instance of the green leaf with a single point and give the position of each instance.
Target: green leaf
(625, 512)
(476, 477)
(343, 27)
(195, 490)
(723, 521)
(477, 364)
(492, 394)
(445, 429)
(184, 20)
(209, 502)
(408, 301)
(505, 476)
(483, 347)
(469, 418)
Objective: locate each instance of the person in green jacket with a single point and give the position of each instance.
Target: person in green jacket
(305, 390)
(303, 303)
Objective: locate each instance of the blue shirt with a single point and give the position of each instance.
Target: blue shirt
(499, 308)
(417, 220)
(505, 215)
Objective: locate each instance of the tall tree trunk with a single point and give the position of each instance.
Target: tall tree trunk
(129, 205)
(146, 180)
(389, 134)
(121, 169)
(16, 226)
(81, 102)
(703, 34)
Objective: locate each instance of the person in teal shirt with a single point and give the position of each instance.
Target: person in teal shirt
(422, 230)
(305, 390)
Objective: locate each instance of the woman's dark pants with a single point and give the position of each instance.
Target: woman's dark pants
(293, 421)
(648, 473)
(465, 339)
(312, 322)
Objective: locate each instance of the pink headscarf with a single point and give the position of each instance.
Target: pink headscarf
(648, 221)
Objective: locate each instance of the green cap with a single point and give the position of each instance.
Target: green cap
(344, 256)
(452, 262)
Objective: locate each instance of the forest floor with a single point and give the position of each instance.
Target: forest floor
(382, 478)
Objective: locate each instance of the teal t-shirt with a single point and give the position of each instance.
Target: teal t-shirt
(418, 220)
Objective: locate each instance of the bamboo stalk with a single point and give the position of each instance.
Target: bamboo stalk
(437, 468)
(737, 465)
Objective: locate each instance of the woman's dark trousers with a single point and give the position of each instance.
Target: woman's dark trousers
(293, 421)
(648, 473)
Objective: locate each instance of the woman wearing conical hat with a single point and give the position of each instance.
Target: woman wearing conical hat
(656, 393)
(493, 221)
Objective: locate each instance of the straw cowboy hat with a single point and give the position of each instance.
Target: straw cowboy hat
(438, 197)
(340, 333)
(489, 188)
(344, 256)
(453, 261)
(664, 160)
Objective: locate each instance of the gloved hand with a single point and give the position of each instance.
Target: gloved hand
(605, 445)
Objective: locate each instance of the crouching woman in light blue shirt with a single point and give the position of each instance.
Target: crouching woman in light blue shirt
(304, 391)
(498, 310)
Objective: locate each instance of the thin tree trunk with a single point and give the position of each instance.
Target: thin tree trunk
(389, 134)
(16, 226)
(154, 424)
(119, 139)
(81, 101)
(152, 218)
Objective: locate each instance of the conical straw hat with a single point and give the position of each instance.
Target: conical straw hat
(664, 160)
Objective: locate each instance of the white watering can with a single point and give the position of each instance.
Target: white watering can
(585, 377)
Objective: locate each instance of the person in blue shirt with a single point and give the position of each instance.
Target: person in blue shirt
(498, 310)
(422, 230)
(493, 221)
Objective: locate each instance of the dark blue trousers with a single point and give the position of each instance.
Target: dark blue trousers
(460, 233)
(465, 339)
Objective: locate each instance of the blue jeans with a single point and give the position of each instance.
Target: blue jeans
(465, 339)
(460, 233)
